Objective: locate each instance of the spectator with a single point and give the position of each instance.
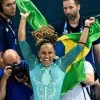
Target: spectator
(7, 34)
(13, 85)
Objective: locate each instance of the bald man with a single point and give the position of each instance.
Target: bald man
(10, 56)
(10, 86)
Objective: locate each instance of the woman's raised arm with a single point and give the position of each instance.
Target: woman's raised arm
(22, 25)
(85, 32)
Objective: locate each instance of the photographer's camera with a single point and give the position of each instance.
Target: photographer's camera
(18, 71)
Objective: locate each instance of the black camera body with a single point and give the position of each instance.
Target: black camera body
(18, 70)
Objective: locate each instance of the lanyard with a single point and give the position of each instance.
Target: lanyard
(9, 25)
(11, 29)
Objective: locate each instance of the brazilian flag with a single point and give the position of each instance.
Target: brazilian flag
(75, 72)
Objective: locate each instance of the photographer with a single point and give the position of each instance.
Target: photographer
(12, 84)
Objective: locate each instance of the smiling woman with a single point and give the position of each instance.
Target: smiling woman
(46, 54)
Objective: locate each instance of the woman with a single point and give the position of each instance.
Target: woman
(47, 75)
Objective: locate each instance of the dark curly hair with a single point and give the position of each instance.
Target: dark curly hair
(46, 31)
(44, 35)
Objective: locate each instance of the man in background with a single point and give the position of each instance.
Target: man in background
(7, 34)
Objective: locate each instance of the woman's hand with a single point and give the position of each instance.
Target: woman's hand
(24, 16)
(22, 27)
(90, 21)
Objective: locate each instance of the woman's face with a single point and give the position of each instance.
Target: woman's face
(46, 54)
